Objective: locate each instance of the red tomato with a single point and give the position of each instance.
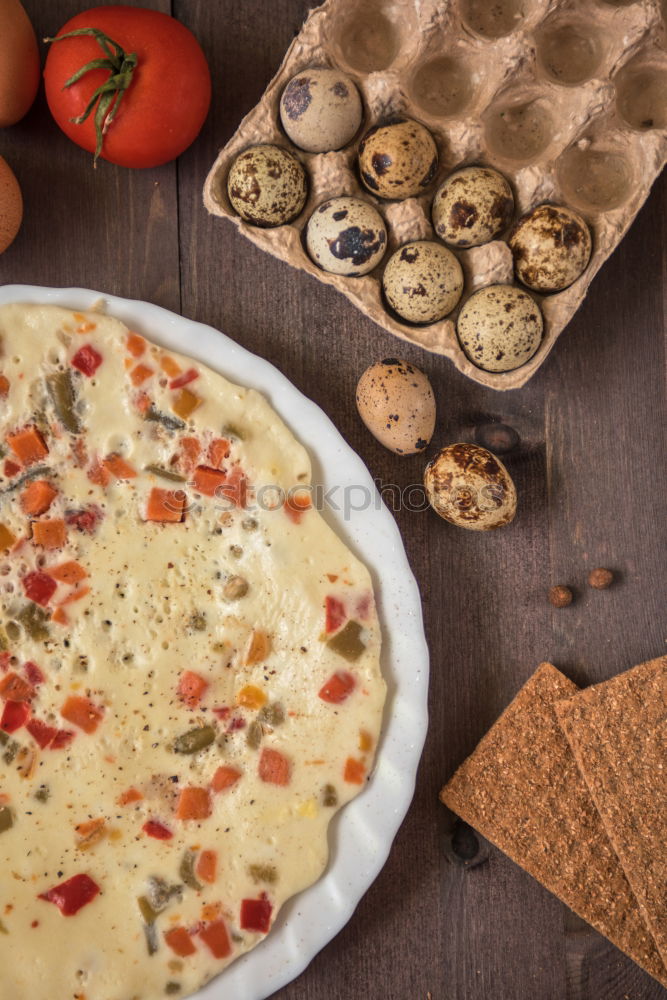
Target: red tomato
(166, 102)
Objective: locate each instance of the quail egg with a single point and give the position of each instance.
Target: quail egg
(551, 246)
(320, 109)
(396, 402)
(472, 207)
(470, 487)
(500, 328)
(346, 236)
(267, 186)
(398, 158)
(423, 281)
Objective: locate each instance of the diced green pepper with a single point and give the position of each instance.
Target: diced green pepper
(273, 714)
(42, 794)
(6, 819)
(4, 641)
(347, 642)
(151, 938)
(186, 870)
(254, 734)
(10, 753)
(194, 740)
(148, 913)
(171, 423)
(263, 873)
(329, 796)
(60, 387)
(34, 619)
(171, 989)
(157, 470)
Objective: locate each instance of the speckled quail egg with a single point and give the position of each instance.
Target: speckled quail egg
(551, 246)
(398, 158)
(346, 236)
(267, 185)
(470, 487)
(396, 402)
(320, 109)
(473, 206)
(423, 281)
(500, 327)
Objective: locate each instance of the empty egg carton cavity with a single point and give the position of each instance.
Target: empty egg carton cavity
(543, 91)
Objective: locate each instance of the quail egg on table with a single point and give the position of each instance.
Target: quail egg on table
(423, 281)
(396, 402)
(398, 158)
(346, 236)
(500, 328)
(473, 206)
(470, 487)
(551, 246)
(320, 109)
(267, 186)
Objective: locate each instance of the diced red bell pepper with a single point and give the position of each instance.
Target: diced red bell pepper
(339, 687)
(44, 735)
(256, 914)
(87, 360)
(296, 505)
(33, 673)
(10, 468)
(216, 938)
(180, 942)
(62, 739)
(71, 895)
(39, 587)
(335, 614)
(274, 767)
(86, 519)
(189, 376)
(15, 688)
(191, 688)
(5, 658)
(14, 715)
(154, 829)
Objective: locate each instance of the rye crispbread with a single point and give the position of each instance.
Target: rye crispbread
(522, 789)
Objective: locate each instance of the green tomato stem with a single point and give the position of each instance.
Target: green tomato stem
(106, 98)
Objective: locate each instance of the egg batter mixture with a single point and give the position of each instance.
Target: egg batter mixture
(189, 665)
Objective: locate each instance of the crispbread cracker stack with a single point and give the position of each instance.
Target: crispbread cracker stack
(618, 734)
(565, 97)
(522, 789)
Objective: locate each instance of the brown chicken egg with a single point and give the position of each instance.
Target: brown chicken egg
(423, 281)
(473, 206)
(320, 109)
(267, 186)
(11, 206)
(551, 246)
(398, 159)
(470, 487)
(396, 402)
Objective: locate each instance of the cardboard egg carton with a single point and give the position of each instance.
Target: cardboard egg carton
(566, 98)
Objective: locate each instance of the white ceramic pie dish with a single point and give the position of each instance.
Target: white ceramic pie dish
(361, 835)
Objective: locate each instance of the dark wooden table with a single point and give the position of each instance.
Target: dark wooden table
(590, 472)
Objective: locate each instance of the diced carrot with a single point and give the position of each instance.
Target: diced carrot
(59, 617)
(179, 941)
(128, 796)
(38, 496)
(118, 467)
(4, 386)
(89, 833)
(140, 373)
(86, 327)
(67, 572)
(218, 451)
(207, 866)
(169, 366)
(354, 771)
(236, 487)
(207, 481)
(28, 445)
(191, 449)
(216, 938)
(297, 504)
(50, 534)
(224, 778)
(193, 803)
(80, 455)
(98, 474)
(76, 595)
(274, 767)
(251, 697)
(135, 344)
(7, 539)
(15, 688)
(258, 649)
(191, 688)
(81, 712)
(185, 404)
(165, 505)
